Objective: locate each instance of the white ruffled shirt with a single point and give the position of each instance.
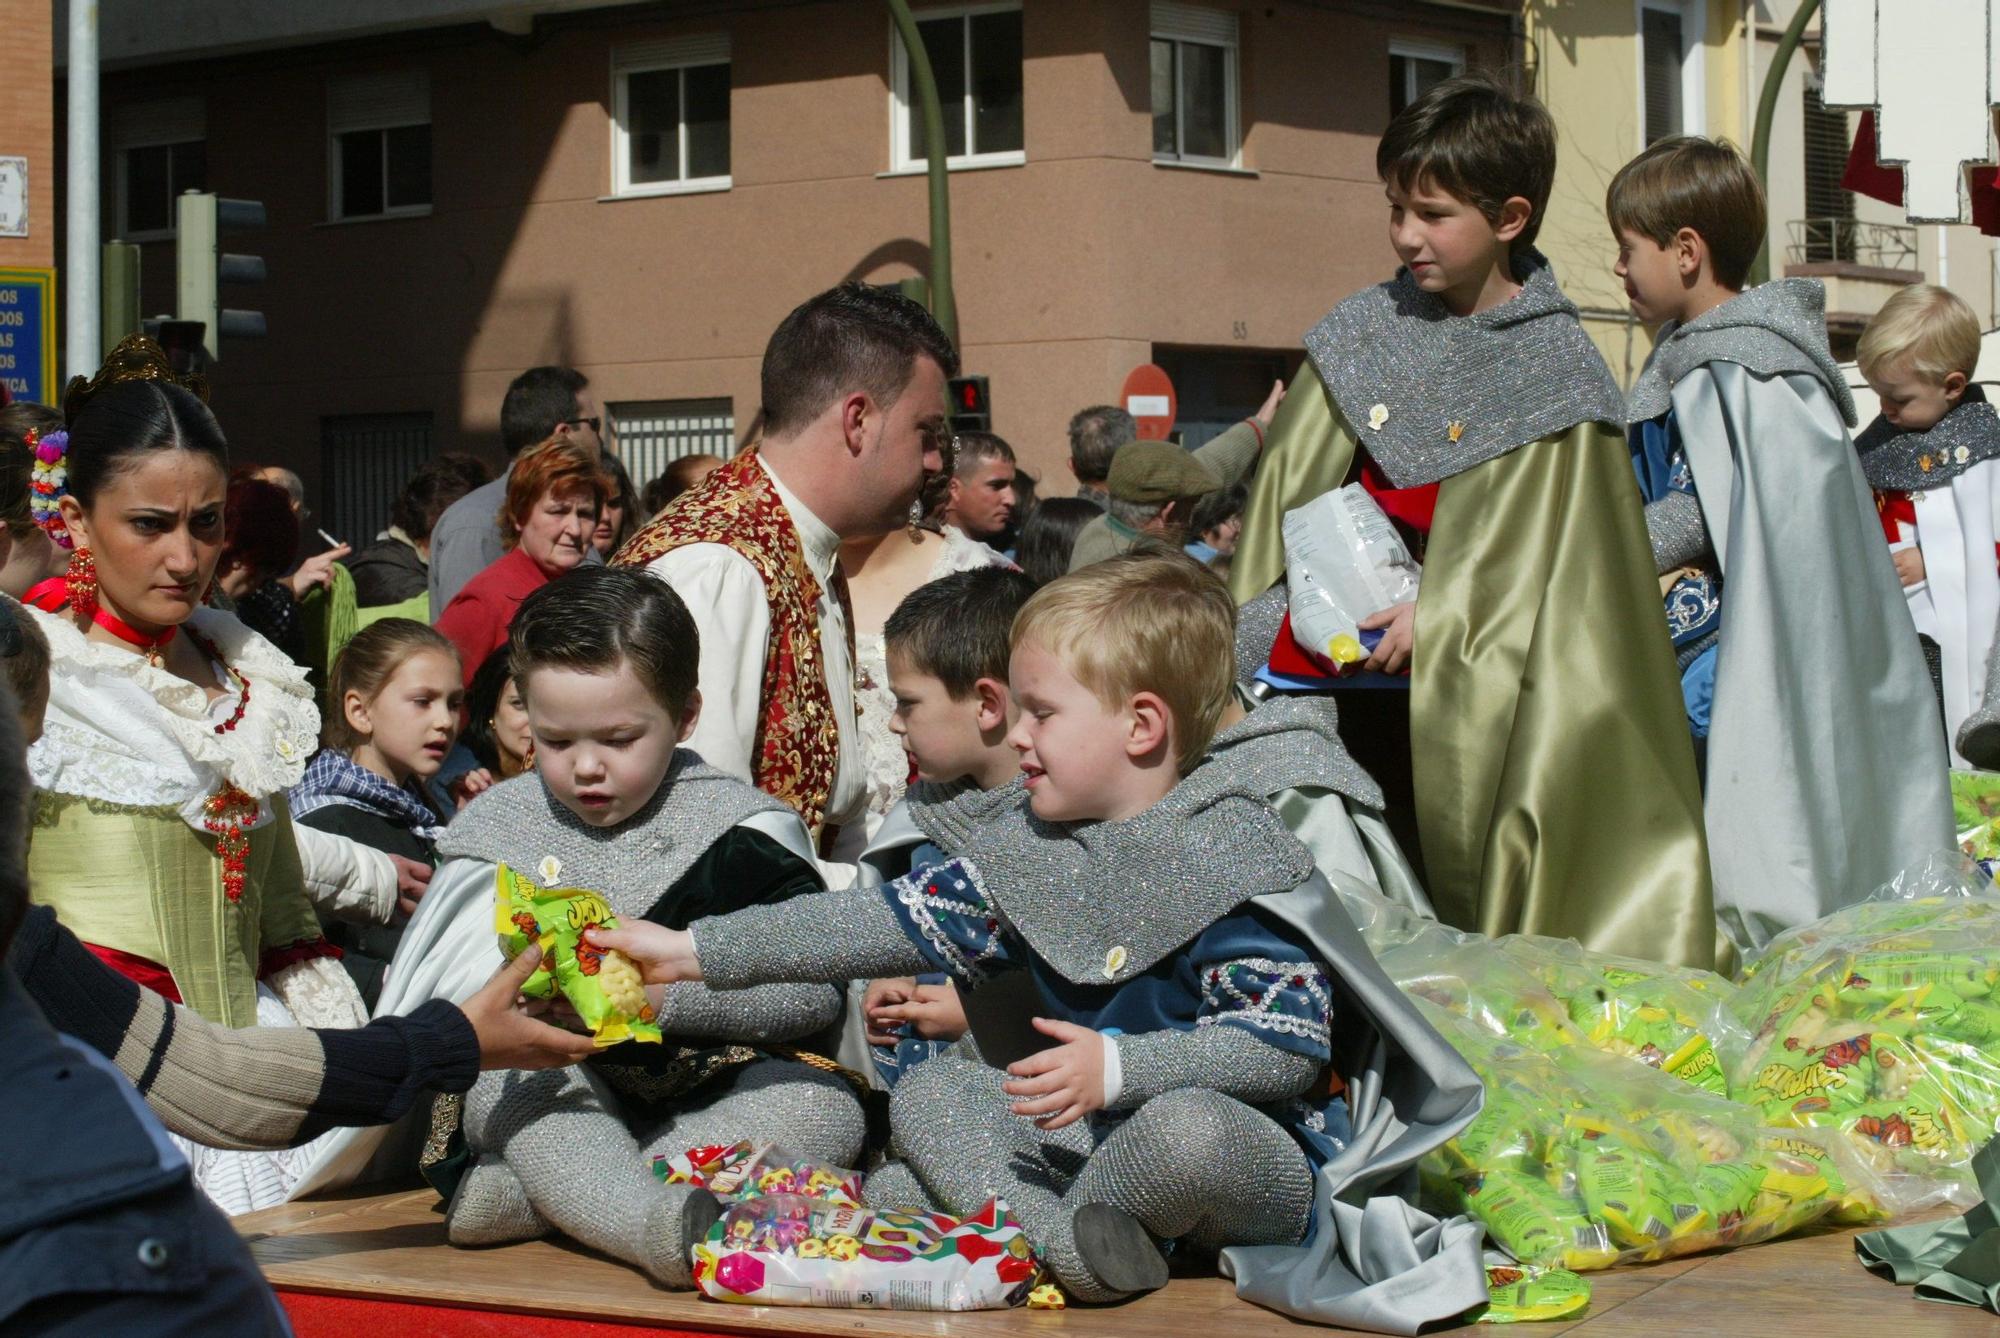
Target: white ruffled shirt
(732, 612)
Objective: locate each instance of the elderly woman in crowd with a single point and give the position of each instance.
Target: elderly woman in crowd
(548, 522)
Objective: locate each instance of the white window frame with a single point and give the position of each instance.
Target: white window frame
(901, 100)
(1202, 25)
(152, 125)
(679, 53)
(1443, 53)
(400, 112)
(1693, 15)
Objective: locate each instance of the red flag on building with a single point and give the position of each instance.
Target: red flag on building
(1867, 175)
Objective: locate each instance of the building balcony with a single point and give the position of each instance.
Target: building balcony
(1861, 264)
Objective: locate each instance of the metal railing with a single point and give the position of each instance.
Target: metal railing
(1882, 245)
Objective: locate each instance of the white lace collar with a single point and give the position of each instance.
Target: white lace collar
(121, 730)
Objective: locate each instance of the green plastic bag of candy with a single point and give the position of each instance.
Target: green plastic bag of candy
(604, 987)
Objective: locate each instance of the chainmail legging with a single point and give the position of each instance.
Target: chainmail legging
(1191, 1164)
(565, 1161)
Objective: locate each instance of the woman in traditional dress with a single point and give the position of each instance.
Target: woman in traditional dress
(161, 836)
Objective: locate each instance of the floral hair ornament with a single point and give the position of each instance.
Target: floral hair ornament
(48, 482)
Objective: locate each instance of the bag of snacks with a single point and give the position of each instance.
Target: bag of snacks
(745, 1170)
(605, 988)
(1581, 1159)
(1343, 562)
(1882, 1020)
(786, 1249)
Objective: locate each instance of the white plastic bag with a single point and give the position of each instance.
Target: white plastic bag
(1343, 562)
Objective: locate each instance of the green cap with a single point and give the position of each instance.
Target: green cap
(1156, 472)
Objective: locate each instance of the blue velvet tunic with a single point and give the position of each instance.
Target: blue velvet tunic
(1244, 970)
(1694, 603)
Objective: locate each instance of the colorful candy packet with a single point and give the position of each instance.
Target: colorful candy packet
(605, 988)
(1523, 1295)
(745, 1170)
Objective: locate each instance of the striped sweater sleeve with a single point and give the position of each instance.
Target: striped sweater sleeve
(257, 1087)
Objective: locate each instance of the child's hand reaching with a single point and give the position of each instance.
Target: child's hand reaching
(1909, 566)
(662, 955)
(932, 1012)
(1399, 638)
(1062, 1085)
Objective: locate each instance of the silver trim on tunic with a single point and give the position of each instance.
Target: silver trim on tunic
(1291, 743)
(1892, 461)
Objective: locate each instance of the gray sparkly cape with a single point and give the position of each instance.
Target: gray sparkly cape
(1897, 461)
(1293, 743)
(1772, 329)
(1430, 394)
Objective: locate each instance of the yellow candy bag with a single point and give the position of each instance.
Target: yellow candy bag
(605, 988)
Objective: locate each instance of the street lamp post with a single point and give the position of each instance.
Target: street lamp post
(923, 84)
(1767, 108)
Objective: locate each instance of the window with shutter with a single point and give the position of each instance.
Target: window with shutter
(1661, 56)
(670, 116)
(1828, 205)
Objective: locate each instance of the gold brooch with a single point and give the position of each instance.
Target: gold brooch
(1924, 463)
(1455, 431)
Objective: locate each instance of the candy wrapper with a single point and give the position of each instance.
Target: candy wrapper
(1883, 1020)
(745, 1170)
(1524, 1294)
(1581, 1159)
(784, 1249)
(1343, 562)
(1975, 798)
(605, 988)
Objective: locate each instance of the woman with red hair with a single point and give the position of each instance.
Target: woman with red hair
(554, 494)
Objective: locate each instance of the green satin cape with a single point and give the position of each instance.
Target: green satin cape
(1555, 781)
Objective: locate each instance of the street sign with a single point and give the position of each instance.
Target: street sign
(28, 334)
(1149, 397)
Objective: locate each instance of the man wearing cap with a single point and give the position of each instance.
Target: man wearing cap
(1153, 486)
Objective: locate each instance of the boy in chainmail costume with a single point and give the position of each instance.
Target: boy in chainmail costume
(607, 662)
(1188, 981)
(1739, 436)
(1536, 649)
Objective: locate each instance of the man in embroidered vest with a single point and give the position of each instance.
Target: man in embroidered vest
(853, 389)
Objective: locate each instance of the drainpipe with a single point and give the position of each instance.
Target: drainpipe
(81, 354)
(923, 84)
(1767, 108)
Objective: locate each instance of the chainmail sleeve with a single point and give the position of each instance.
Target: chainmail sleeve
(696, 1011)
(1678, 533)
(1228, 1060)
(827, 937)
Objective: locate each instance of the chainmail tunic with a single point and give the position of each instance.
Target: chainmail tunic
(1430, 394)
(950, 814)
(1896, 461)
(1293, 743)
(1678, 532)
(520, 824)
(1773, 329)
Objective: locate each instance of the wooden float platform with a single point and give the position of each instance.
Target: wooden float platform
(376, 1265)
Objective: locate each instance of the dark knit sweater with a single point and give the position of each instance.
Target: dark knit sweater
(258, 1087)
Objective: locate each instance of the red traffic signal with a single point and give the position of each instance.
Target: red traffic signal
(970, 406)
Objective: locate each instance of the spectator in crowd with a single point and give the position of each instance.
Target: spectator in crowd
(256, 576)
(1049, 536)
(620, 518)
(1095, 434)
(27, 556)
(395, 569)
(979, 495)
(1025, 502)
(541, 403)
(393, 702)
(679, 476)
(1215, 522)
(496, 721)
(554, 494)
(295, 487)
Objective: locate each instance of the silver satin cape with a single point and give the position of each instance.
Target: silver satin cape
(1827, 772)
(1374, 1261)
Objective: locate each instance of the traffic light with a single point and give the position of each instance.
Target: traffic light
(971, 410)
(201, 267)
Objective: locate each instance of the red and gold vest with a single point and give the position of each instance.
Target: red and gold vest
(798, 736)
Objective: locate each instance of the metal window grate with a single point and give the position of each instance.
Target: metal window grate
(1826, 164)
(1661, 55)
(364, 461)
(653, 433)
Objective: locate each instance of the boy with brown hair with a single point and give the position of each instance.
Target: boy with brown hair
(1933, 457)
(1197, 983)
(1535, 645)
(1826, 772)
